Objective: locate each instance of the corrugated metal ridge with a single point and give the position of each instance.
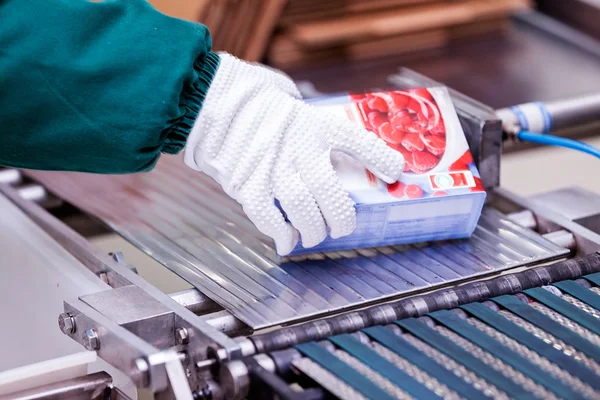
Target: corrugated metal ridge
(185, 221)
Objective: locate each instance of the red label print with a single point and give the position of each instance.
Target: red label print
(396, 189)
(413, 191)
(408, 121)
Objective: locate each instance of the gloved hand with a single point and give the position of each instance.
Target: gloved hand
(258, 139)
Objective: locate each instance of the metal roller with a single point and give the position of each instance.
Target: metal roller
(504, 348)
(543, 117)
(97, 385)
(421, 305)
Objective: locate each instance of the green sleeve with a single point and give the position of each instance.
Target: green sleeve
(102, 87)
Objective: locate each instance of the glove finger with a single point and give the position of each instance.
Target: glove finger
(336, 206)
(383, 161)
(258, 203)
(299, 205)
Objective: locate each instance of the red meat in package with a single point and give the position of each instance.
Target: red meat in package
(438, 197)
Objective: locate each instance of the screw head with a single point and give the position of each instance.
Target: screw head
(182, 336)
(90, 340)
(66, 323)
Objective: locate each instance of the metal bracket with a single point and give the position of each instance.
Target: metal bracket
(136, 311)
(549, 219)
(119, 347)
(201, 333)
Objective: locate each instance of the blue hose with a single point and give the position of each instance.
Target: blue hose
(550, 140)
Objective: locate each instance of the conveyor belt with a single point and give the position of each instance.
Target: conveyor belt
(184, 220)
(508, 347)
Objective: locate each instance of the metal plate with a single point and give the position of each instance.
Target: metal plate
(185, 221)
(37, 276)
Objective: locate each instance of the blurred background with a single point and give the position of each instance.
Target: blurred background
(303, 33)
(501, 52)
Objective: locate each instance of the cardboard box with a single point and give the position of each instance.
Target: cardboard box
(440, 195)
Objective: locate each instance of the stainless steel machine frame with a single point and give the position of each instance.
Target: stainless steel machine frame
(164, 346)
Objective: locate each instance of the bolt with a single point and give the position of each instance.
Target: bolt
(206, 365)
(182, 336)
(90, 340)
(66, 323)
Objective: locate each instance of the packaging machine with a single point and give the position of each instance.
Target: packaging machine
(510, 313)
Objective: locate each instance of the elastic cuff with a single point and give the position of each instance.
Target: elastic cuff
(205, 69)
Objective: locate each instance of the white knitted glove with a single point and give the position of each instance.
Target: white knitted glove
(257, 139)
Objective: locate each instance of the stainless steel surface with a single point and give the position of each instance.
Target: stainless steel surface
(125, 304)
(85, 387)
(201, 334)
(484, 342)
(415, 306)
(195, 301)
(265, 362)
(246, 346)
(179, 388)
(225, 322)
(35, 193)
(216, 393)
(524, 218)
(562, 238)
(119, 347)
(574, 111)
(234, 378)
(551, 217)
(185, 221)
(206, 365)
(563, 114)
(37, 275)
(574, 202)
(136, 311)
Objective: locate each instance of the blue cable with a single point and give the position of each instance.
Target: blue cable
(550, 140)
